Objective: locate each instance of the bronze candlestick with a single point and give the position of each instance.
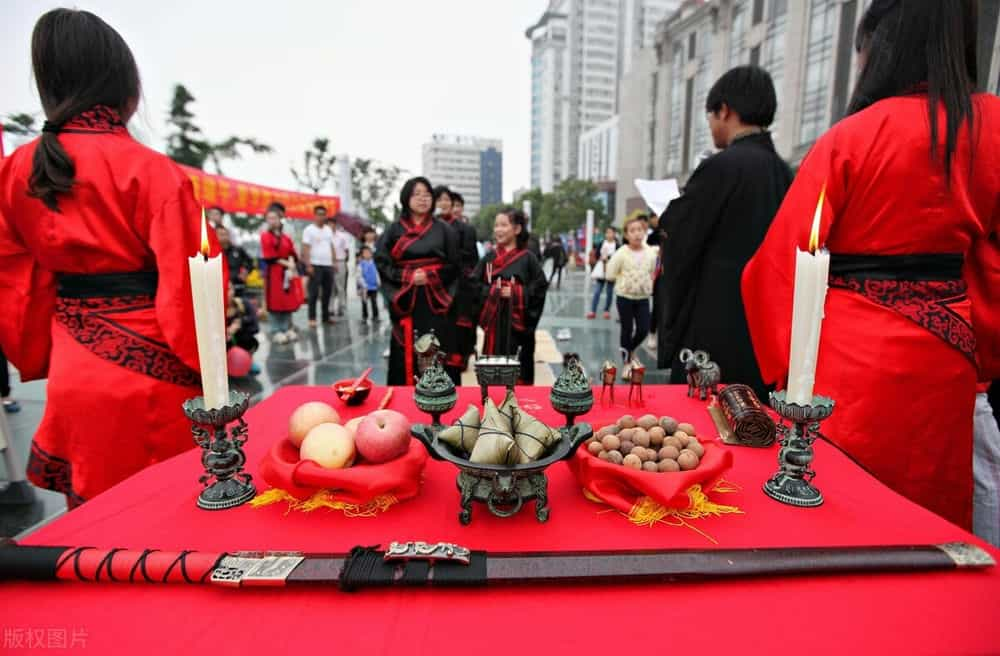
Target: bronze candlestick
(792, 484)
(226, 485)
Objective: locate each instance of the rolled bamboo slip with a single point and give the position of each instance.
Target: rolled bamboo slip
(444, 564)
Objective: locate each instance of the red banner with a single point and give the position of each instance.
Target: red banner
(246, 197)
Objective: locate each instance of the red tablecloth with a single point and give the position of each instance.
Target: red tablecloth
(922, 613)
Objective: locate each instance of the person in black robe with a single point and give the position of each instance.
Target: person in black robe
(512, 290)
(416, 258)
(463, 330)
(715, 227)
(557, 253)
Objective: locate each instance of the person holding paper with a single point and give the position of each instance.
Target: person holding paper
(910, 219)
(714, 228)
(95, 234)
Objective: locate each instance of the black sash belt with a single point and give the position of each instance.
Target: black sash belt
(927, 289)
(107, 285)
(915, 267)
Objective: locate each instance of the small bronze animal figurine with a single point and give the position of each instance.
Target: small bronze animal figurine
(702, 374)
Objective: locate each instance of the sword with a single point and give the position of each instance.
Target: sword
(450, 565)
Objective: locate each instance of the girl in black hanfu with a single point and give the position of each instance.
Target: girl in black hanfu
(417, 260)
(511, 276)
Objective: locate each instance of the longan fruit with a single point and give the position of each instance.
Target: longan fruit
(647, 421)
(668, 465)
(632, 461)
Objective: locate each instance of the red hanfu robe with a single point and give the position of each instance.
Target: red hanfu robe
(278, 298)
(901, 356)
(119, 364)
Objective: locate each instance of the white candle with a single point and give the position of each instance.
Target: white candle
(210, 322)
(812, 273)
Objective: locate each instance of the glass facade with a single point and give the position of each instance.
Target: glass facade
(774, 55)
(702, 141)
(818, 70)
(490, 177)
(738, 50)
(676, 109)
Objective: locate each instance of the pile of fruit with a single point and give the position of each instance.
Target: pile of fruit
(315, 429)
(648, 444)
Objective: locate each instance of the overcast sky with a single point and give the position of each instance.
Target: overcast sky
(378, 77)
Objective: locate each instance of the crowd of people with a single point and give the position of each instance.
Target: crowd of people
(907, 183)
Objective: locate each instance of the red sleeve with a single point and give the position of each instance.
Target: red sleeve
(28, 297)
(982, 273)
(174, 236)
(769, 278)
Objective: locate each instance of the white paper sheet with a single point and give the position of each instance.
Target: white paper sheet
(658, 193)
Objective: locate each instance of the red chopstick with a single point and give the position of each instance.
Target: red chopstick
(348, 391)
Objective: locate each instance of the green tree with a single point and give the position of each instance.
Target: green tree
(248, 222)
(187, 144)
(566, 208)
(483, 221)
(372, 183)
(317, 167)
(22, 125)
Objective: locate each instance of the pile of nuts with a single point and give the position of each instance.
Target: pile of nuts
(648, 444)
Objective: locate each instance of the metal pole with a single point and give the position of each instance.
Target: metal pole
(589, 239)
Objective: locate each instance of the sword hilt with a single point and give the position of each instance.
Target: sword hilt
(28, 563)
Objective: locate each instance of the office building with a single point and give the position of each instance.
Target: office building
(472, 166)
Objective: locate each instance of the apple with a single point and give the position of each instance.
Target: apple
(328, 445)
(306, 417)
(383, 436)
(352, 425)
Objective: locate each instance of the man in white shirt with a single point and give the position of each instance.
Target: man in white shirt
(342, 252)
(318, 254)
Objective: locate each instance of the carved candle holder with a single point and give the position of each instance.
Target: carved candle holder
(226, 485)
(609, 373)
(792, 484)
(637, 375)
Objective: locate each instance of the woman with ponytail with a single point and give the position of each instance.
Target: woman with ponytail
(910, 216)
(95, 232)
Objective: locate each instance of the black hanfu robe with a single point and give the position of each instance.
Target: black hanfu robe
(712, 231)
(462, 321)
(415, 310)
(520, 270)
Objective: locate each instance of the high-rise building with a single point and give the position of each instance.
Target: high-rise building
(548, 46)
(640, 20)
(472, 166)
(580, 49)
(807, 46)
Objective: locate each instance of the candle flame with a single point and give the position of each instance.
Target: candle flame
(814, 233)
(205, 246)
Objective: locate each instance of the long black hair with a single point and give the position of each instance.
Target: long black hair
(517, 217)
(79, 61)
(407, 191)
(913, 43)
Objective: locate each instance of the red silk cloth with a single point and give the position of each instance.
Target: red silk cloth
(359, 484)
(861, 614)
(621, 487)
